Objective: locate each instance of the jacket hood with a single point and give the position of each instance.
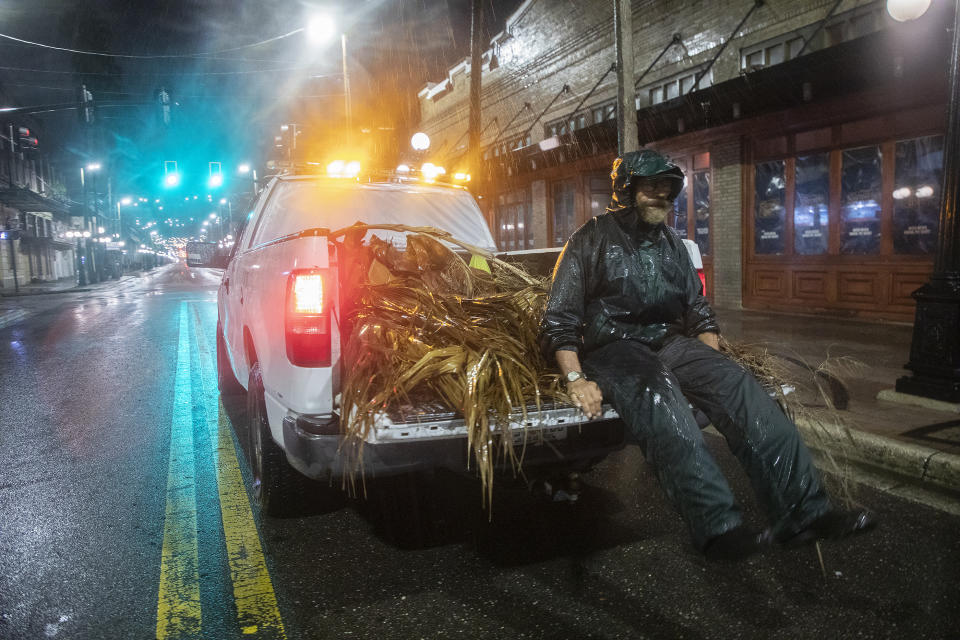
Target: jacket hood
(644, 163)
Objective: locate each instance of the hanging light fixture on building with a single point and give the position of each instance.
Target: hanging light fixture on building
(904, 10)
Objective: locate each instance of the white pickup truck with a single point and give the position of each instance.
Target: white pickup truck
(279, 333)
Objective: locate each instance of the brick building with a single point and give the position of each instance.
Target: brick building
(34, 215)
(811, 134)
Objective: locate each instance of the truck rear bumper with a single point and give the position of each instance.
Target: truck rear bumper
(328, 457)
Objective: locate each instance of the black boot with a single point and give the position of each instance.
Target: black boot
(736, 544)
(834, 524)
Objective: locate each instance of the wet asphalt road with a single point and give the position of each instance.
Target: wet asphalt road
(93, 406)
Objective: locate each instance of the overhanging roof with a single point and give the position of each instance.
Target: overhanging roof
(849, 68)
(30, 201)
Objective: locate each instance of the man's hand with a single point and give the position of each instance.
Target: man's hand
(587, 396)
(710, 339)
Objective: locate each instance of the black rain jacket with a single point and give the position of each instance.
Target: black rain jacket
(619, 278)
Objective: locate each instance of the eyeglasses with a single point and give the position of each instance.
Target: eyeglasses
(655, 185)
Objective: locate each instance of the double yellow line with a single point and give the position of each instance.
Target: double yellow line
(178, 602)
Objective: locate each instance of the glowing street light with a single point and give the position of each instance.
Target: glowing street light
(420, 141)
(321, 28)
(905, 10)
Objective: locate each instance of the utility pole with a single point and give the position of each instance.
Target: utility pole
(476, 73)
(81, 243)
(935, 347)
(627, 137)
(13, 157)
(346, 85)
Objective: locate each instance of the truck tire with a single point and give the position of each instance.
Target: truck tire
(277, 488)
(226, 381)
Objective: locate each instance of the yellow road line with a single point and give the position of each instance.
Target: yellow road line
(257, 609)
(178, 600)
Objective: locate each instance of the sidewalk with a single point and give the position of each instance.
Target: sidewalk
(912, 447)
(34, 288)
(15, 307)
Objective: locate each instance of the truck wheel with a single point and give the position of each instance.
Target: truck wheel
(278, 488)
(226, 381)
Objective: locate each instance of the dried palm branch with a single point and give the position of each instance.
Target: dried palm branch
(814, 395)
(426, 325)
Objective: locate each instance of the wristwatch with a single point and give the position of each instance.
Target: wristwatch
(573, 376)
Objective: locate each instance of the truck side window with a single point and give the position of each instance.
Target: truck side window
(266, 212)
(240, 235)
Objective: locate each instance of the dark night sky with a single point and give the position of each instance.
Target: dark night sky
(228, 104)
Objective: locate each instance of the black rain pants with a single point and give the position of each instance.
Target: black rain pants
(650, 390)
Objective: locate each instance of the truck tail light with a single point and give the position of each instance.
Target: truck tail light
(307, 322)
(703, 280)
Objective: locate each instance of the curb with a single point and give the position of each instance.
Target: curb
(913, 462)
(46, 292)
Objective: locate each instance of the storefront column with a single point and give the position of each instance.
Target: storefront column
(538, 202)
(727, 225)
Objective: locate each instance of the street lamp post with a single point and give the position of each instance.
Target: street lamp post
(321, 29)
(125, 202)
(346, 81)
(81, 241)
(935, 347)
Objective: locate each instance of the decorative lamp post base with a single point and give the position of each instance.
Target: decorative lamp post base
(935, 348)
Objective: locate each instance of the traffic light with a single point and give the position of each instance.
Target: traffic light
(86, 105)
(216, 177)
(164, 100)
(171, 177)
(27, 141)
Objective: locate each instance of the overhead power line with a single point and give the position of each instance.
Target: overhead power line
(176, 73)
(149, 57)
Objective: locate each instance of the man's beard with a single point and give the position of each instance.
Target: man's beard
(654, 214)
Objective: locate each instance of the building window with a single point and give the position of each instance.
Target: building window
(675, 86)
(860, 201)
(844, 27)
(917, 181)
(564, 216)
(680, 209)
(604, 112)
(561, 127)
(601, 192)
(514, 213)
(811, 215)
(853, 24)
(858, 216)
(691, 208)
(769, 212)
(701, 210)
(771, 52)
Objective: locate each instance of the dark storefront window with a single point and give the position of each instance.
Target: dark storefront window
(768, 216)
(811, 209)
(916, 195)
(701, 210)
(860, 201)
(600, 194)
(513, 215)
(680, 210)
(564, 217)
